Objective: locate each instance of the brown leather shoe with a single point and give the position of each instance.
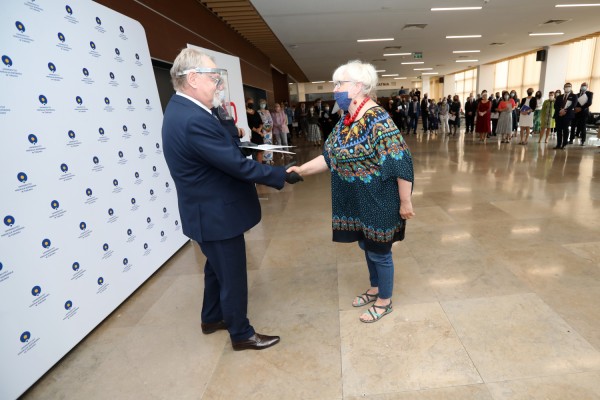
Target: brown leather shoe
(212, 327)
(255, 342)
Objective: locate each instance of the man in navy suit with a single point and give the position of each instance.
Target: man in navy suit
(564, 112)
(582, 111)
(216, 194)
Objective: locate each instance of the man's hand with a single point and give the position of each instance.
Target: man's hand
(292, 174)
(562, 113)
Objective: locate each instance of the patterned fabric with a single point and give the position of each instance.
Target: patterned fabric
(365, 160)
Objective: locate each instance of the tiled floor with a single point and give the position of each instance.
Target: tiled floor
(497, 290)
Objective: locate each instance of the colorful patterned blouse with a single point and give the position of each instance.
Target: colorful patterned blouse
(365, 160)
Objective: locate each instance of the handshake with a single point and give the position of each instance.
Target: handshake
(292, 177)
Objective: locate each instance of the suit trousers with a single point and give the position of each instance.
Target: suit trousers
(562, 131)
(226, 286)
(580, 123)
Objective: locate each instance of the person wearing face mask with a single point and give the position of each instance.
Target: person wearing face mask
(564, 112)
(280, 126)
(582, 111)
(484, 113)
(470, 112)
(527, 107)
(444, 110)
(267, 120)
(494, 114)
(325, 120)
(371, 182)
(425, 112)
(547, 117)
(454, 118)
(300, 117)
(505, 108)
(515, 113)
(414, 109)
(537, 113)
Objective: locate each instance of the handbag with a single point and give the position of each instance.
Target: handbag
(452, 117)
(495, 115)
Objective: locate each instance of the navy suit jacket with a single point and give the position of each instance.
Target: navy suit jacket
(214, 181)
(561, 101)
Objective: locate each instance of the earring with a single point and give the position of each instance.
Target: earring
(355, 102)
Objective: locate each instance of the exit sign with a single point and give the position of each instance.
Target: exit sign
(418, 55)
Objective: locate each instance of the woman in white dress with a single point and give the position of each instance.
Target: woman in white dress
(528, 106)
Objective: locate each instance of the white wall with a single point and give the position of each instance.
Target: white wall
(485, 78)
(449, 85)
(554, 69)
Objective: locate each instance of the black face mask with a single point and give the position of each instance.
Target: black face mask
(529, 93)
(250, 105)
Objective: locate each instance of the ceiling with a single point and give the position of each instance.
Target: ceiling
(321, 35)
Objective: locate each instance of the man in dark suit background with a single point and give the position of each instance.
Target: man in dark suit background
(564, 112)
(216, 194)
(425, 112)
(470, 111)
(582, 111)
(414, 109)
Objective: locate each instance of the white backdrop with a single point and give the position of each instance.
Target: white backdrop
(87, 206)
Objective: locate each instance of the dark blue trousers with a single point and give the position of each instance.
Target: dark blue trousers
(226, 286)
(562, 131)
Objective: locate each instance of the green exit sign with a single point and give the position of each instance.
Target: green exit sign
(418, 55)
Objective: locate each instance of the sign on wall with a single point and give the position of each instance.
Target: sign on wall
(88, 209)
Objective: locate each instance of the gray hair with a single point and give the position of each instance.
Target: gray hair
(360, 72)
(187, 59)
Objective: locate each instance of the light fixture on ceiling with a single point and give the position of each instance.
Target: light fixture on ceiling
(466, 51)
(463, 36)
(547, 34)
(375, 40)
(578, 5)
(390, 75)
(464, 61)
(413, 62)
(422, 69)
(380, 70)
(402, 77)
(430, 73)
(455, 8)
(396, 54)
(318, 82)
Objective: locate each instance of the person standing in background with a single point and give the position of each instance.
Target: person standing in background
(414, 109)
(564, 112)
(289, 113)
(537, 113)
(484, 108)
(547, 117)
(527, 107)
(280, 126)
(505, 123)
(470, 111)
(582, 111)
(425, 112)
(267, 120)
(444, 110)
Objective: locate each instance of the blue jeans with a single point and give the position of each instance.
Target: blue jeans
(381, 271)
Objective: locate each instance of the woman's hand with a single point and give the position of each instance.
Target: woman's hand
(406, 209)
(297, 170)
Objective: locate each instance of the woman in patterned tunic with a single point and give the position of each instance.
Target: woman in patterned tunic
(371, 181)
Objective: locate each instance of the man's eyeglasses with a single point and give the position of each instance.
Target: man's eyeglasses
(200, 70)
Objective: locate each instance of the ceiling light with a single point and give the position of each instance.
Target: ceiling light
(390, 75)
(579, 5)
(413, 62)
(547, 34)
(467, 60)
(318, 82)
(396, 54)
(455, 8)
(463, 36)
(466, 51)
(380, 70)
(402, 77)
(375, 40)
(430, 73)
(422, 69)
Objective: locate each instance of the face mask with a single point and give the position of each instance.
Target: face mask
(505, 97)
(342, 99)
(249, 105)
(539, 95)
(551, 97)
(529, 93)
(567, 90)
(512, 95)
(584, 88)
(263, 106)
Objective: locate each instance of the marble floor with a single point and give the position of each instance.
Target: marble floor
(497, 289)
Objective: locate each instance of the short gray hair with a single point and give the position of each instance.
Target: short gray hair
(360, 72)
(187, 59)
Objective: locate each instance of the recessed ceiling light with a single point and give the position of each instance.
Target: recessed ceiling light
(547, 34)
(430, 73)
(402, 77)
(579, 5)
(422, 69)
(413, 62)
(375, 40)
(455, 8)
(463, 36)
(396, 54)
(467, 60)
(318, 82)
(466, 51)
(380, 70)
(390, 75)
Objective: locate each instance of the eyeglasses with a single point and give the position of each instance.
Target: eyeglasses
(337, 84)
(200, 70)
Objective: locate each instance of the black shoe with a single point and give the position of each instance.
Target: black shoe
(570, 142)
(255, 342)
(557, 147)
(212, 327)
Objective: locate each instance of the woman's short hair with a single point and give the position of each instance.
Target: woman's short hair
(187, 59)
(360, 72)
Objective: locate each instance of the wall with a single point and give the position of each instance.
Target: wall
(554, 69)
(485, 78)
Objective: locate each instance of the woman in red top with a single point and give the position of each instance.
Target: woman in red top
(484, 115)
